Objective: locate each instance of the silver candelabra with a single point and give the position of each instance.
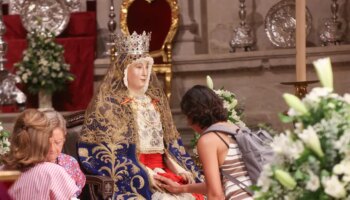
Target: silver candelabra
(9, 93)
(242, 35)
(112, 26)
(333, 29)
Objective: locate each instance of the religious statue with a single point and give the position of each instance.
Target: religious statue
(129, 134)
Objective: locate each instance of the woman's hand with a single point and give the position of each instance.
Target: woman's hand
(188, 178)
(169, 185)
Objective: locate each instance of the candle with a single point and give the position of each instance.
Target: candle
(300, 11)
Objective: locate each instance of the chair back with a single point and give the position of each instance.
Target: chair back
(74, 124)
(161, 17)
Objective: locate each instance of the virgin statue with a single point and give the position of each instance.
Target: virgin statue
(129, 134)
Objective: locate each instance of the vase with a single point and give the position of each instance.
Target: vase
(45, 99)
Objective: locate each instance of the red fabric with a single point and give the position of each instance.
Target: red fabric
(91, 5)
(4, 192)
(81, 24)
(79, 42)
(14, 27)
(156, 161)
(152, 17)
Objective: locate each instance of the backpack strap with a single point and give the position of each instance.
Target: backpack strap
(221, 128)
(237, 182)
(228, 146)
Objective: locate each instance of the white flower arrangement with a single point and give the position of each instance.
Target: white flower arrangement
(230, 103)
(4, 141)
(313, 160)
(43, 66)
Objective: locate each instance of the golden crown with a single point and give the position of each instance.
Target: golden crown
(134, 43)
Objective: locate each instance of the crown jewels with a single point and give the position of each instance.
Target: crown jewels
(134, 43)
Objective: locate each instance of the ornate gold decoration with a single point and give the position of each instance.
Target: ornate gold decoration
(149, 1)
(7, 175)
(166, 50)
(300, 87)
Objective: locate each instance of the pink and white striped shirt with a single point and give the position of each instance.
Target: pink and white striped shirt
(44, 181)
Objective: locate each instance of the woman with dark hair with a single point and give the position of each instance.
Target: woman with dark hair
(217, 150)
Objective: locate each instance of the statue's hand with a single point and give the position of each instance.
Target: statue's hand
(157, 185)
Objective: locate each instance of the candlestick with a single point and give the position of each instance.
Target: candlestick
(242, 35)
(9, 93)
(300, 87)
(300, 40)
(112, 26)
(334, 28)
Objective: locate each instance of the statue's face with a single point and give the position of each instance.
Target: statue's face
(138, 75)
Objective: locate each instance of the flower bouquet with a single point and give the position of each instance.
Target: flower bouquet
(43, 69)
(4, 142)
(43, 66)
(313, 160)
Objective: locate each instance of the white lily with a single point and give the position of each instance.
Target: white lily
(210, 83)
(295, 103)
(311, 140)
(324, 71)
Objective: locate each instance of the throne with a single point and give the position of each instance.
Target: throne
(96, 187)
(161, 17)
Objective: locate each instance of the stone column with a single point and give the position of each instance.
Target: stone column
(187, 37)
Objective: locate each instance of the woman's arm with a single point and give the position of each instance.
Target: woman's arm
(175, 188)
(207, 147)
(177, 169)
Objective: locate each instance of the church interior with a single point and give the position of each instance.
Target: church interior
(256, 49)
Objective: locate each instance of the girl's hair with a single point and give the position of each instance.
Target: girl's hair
(203, 107)
(29, 140)
(56, 120)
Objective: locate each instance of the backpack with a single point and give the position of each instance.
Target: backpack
(254, 146)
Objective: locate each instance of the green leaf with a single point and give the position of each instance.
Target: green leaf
(285, 118)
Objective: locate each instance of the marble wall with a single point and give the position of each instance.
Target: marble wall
(206, 26)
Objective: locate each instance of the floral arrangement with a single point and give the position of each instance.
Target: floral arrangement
(230, 103)
(313, 160)
(43, 66)
(4, 141)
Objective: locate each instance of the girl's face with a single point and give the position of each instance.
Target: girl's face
(195, 127)
(56, 144)
(137, 75)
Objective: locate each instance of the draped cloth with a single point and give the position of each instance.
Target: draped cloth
(109, 139)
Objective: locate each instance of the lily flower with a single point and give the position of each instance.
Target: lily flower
(295, 103)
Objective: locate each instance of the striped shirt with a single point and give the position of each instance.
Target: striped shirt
(234, 166)
(44, 181)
